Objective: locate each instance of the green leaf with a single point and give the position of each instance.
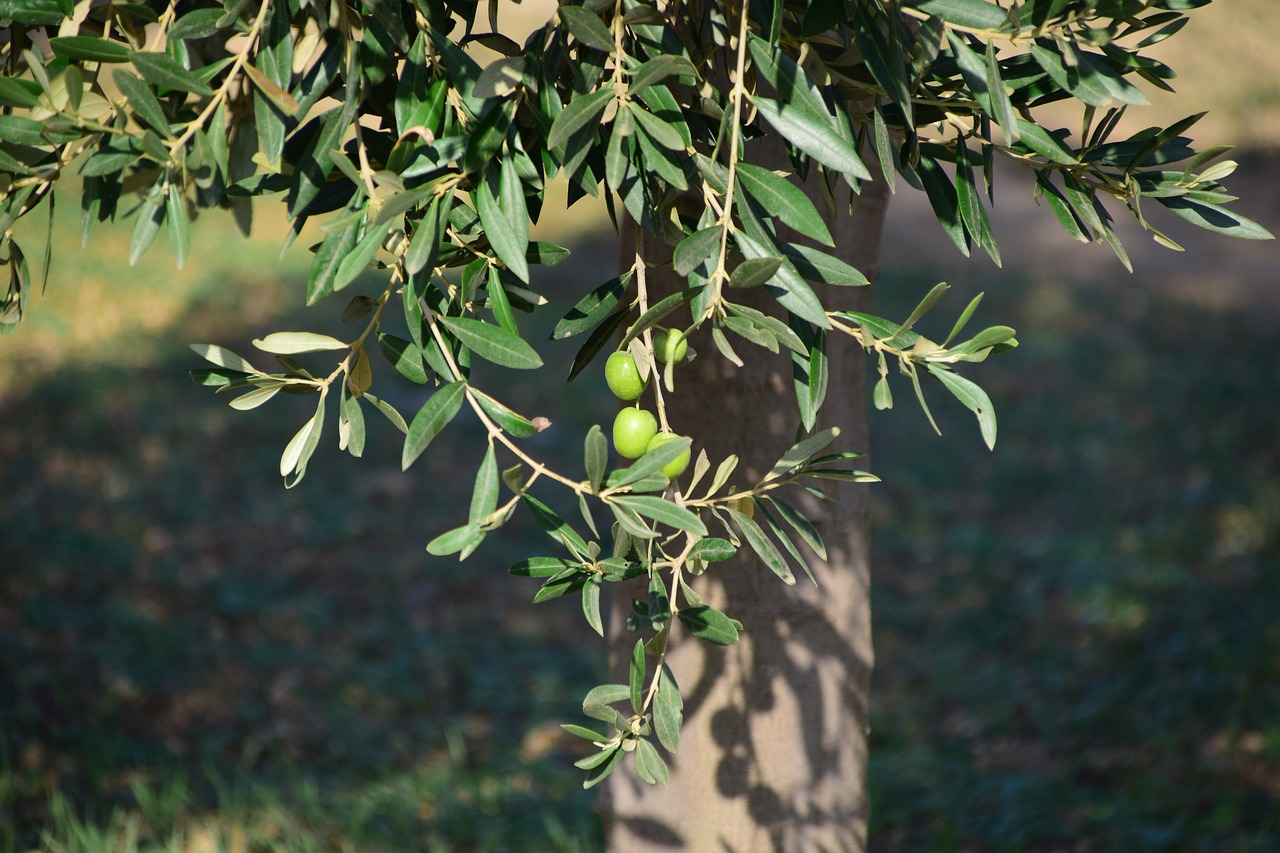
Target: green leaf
(975, 14)
(650, 463)
(974, 399)
(801, 525)
(222, 357)
(658, 130)
(89, 49)
(765, 549)
(591, 604)
(649, 764)
(787, 286)
(696, 248)
(598, 699)
(484, 497)
(635, 676)
(515, 425)
(815, 138)
(299, 449)
(196, 24)
(659, 68)
(654, 315)
(160, 69)
(493, 343)
(712, 549)
(1044, 143)
(754, 272)
(580, 112)
(664, 511)
(592, 308)
(142, 100)
(668, 710)
(595, 455)
(543, 567)
(453, 541)
(179, 230)
(587, 28)
(817, 265)
(783, 199)
(555, 526)
(404, 356)
(354, 417)
(1216, 218)
(150, 218)
(434, 416)
(707, 623)
(293, 343)
(333, 250)
(509, 238)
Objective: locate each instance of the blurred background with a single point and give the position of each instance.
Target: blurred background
(1077, 635)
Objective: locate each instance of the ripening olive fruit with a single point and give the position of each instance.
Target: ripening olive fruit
(632, 430)
(676, 466)
(669, 345)
(623, 376)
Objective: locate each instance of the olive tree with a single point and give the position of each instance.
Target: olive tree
(745, 152)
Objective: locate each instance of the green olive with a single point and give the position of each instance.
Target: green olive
(632, 430)
(669, 345)
(623, 376)
(676, 466)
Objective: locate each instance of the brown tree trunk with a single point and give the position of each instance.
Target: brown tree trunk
(773, 750)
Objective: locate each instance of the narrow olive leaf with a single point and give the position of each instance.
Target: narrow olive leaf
(542, 567)
(596, 341)
(484, 497)
(161, 70)
(656, 312)
(512, 423)
(963, 319)
(179, 226)
(592, 308)
(766, 550)
(424, 248)
(762, 512)
(493, 343)
(931, 299)
(713, 549)
(334, 249)
(659, 131)
(665, 512)
(1044, 143)
(596, 758)
(591, 604)
(802, 451)
(707, 623)
(222, 357)
(299, 449)
(631, 522)
(884, 59)
(356, 430)
(255, 398)
(754, 272)
(453, 541)
(649, 764)
(724, 347)
(595, 455)
(150, 218)
(1062, 209)
(293, 343)
(499, 303)
(668, 711)
(659, 68)
(555, 526)
(650, 463)
(358, 260)
(604, 769)
(1216, 218)
(942, 197)
(499, 230)
(817, 139)
(696, 248)
(785, 75)
(404, 356)
(783, 199)
(635, 677)
(560, 585)
(587, 27)
(278, 96)
(800, 525)
(435, 414)
(787, 286)
(1001, 106)
(389, 411)
(975, 14)
(89, 49)
(598, 699)
(581, 112)
(974, 399)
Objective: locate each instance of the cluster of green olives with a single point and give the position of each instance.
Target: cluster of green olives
(635, 430)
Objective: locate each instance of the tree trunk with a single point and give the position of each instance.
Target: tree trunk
(773, 750)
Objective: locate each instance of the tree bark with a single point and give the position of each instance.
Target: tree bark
(773, 750)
